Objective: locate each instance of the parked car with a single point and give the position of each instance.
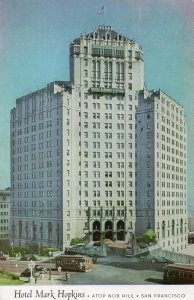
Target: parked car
(28, 257)
(94, 258)
(156, 259)
(2, 258)
(40, 269)
(27, 273)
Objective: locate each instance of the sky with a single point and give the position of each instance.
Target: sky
(34, 50)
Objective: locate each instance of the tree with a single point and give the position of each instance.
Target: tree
(148, 237)
(78, 240)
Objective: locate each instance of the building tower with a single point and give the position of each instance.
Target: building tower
(161, 169)
(106, 71)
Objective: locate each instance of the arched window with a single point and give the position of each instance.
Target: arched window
(96, 225)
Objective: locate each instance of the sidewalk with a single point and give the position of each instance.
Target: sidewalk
(55, 279)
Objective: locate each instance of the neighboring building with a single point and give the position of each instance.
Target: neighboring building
(4, 215)
(73, 147)
(36, 168)
(161, 184)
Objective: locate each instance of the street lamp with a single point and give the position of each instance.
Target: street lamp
(50, 253)
(12, 248)
(31, 265)
(103, 245)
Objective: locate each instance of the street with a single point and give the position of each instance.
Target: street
(111, 270)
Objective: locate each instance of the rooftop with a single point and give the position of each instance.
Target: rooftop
(104, 33)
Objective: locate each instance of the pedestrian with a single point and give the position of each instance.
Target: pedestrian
(59, 269)
(36, 279)
(67, 276)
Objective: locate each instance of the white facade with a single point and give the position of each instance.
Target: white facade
(162, 169)
(73, 150)
(106, 70)
(36, 168)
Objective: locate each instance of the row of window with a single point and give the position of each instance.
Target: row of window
(34, 175)
(42, 135)
(172, 212)
(4, 213)
(108, 145)
(4, 221)
(109, 174)
(107, 193)
(4, 206)
(35, 116)
(41, 194)
(106, 154)
(106, 183)
(35, 156)
(97, 105)
(40, 203)
(172, 203)
(4, 236)
(40, 184)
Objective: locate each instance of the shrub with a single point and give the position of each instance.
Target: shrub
(147, 238)
(45, 251)
(6, 274)
(78, 240)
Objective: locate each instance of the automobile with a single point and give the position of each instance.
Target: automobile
(2, 258)
(40, 269)
(155, 259)
(168, 260)
(94, 258)
(27, 273)
(28, 257)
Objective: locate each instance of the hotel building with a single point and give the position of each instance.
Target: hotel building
(73, 147)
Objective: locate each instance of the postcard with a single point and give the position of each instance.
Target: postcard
(96, 143)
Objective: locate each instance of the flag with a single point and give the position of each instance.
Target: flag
(101, 11)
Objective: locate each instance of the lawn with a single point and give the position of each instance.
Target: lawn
(11, 281)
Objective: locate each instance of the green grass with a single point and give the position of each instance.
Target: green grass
(11, 281)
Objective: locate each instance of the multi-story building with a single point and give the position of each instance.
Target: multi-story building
(4, 215)
(36, 167)
(73, 147)
(161, 169)
(107, 70)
